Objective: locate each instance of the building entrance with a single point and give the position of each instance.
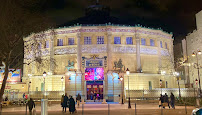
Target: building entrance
(94, 90)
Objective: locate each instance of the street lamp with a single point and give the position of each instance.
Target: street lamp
(127, 73)
(197, 66)
(62, 79)
(161, 85)
(29, 82)
(44, 76)
(121, 78)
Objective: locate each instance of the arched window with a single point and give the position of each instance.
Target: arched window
(129, 40)
(152, 42)
(60, 42)
(143, 41)
(70, 41)
(47, 44)
(117, 40)
(161, 44)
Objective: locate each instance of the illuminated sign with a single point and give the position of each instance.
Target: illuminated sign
(94, 74)
(13, 76)
(94, 63)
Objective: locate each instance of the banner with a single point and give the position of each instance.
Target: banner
(13, 76)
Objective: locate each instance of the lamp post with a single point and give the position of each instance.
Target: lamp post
(121, 78)
(128, 72)
(62, 79)
(29, 82)
(196, 81)
(161, 85)
(197, 66)
(44, 76)
(178, 82)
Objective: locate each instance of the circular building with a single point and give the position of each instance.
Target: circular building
(89, 59)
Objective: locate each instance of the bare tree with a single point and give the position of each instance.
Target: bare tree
(18, 19)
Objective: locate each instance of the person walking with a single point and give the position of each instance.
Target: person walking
(65, 103)
(78, 99)
(161, 100)
(94, 96)
(166, 100)
(172, 100)
(31, 105)
(62, 100)
(71, 105)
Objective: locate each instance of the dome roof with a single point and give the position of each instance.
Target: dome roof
(95, 14)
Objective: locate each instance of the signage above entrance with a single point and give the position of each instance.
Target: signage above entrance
(94, 63)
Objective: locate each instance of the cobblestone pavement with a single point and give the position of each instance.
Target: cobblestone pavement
(102, 109)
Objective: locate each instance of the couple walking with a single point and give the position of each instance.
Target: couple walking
(68, 102)
(164, 101)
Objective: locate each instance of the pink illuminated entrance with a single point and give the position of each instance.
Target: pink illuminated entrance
(94, 83)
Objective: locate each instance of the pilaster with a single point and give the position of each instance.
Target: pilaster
(138, 58)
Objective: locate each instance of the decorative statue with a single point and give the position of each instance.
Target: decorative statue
(70, 65)
(118, 65)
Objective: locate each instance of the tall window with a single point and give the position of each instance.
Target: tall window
(166, 46)
(129, 40)
(70, 41)
(143, 41)
(100, 40)
(152, 42)
(117, 40)
(39, 46)
(60, 42)
(87, 40)
(47, 44)
(161, 44)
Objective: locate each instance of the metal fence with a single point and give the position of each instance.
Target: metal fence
(134, 94)
(147, 94)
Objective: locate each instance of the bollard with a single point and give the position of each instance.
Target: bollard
(135, 110)
(44, 106)
(108, 110)
(82, 109)
(185, 108)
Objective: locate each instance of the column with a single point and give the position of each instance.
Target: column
(138, 58)
(159, 55)
(78, 52)
(51, 69)
(109, 52)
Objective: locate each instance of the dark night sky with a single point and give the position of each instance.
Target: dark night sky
(177, 16)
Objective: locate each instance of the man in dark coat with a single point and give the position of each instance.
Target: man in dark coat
(71, 105)
(31, 105)
(78, 99)
(65, 102)
(166, 100)
(172, 100)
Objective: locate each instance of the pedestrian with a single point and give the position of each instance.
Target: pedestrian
(94, 96)
(166, 100)
(62, 100)
(6, 98)
(172, 100)
(31, 105)
(161, 101)
(91, 95)
(23, 96)
(65, 103)
(78, 99)
(71, 105)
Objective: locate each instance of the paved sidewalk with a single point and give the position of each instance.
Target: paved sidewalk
(101, 109)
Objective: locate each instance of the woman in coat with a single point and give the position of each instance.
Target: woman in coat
(65, 102)
(71, 105)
